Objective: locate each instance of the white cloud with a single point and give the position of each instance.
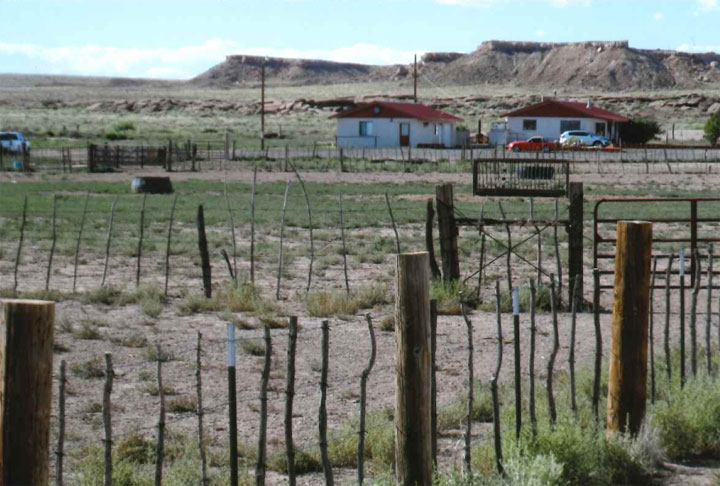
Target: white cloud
(540, 33)
(709, 4)
(658, 16)
(695, 48)
(182, 62)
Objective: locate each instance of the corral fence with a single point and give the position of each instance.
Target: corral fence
(199, 155)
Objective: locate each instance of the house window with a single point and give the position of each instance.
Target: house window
(567, 125)
(437, 130)
(366, 129)
(529, 125)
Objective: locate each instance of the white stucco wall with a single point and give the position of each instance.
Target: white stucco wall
(386, 132)
(549, 127)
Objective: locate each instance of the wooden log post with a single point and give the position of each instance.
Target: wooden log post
(204, 255)
(448, 232)
(26, 355)
(629, 332)
(413, 437)
(575, 241)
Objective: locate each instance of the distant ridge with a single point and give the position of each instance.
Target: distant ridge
(608, 66)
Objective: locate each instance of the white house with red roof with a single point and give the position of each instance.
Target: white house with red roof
(392, 124)
(552, 117)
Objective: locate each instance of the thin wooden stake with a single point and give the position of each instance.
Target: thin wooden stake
(552, 412)
(571, 356)
(509, 249)
(289, 399)
(280, 249)
(430, 241)
(140, 241)
(598, 346)
(160, 452)
(467, 455)
(494, 386)
(169, 240)
(363, 400)
(392, 219)
(652, 331)
(232, 226)
(708, 312)
(322, 413)
(516, 345)
(109, 239)
(433, 379)
(682, 317)
(531, 365)
(20, 243)
(342, 235)
(556, 244)
(668, 360)
(693, 313)
(261, 465)
(309, 213)
(60, 450)
(52, 245)
(79, 238)
(199, 412)
(252, 225)
(107, 422)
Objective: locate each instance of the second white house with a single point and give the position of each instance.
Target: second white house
(393, 124)
(552, 117)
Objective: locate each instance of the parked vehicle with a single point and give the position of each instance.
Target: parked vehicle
(14, 142)
(581, 137)
(533, 144)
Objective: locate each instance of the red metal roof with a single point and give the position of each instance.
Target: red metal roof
(391, 109)
(558, 108)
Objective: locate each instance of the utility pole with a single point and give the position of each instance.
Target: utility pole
(415, 80)
(262, 106)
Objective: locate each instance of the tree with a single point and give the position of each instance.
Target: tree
(639, 130)
(712, 128)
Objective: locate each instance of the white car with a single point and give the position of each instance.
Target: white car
(582, 137)
(14, 142)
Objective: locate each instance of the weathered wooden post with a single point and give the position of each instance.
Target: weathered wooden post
(204, 255)
(629, 333)
(413, 435)
(26, 355)
(448, 232)
(575, 241)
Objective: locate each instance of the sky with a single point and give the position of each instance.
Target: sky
(179, 39)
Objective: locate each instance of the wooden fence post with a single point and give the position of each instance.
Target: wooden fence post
(448, 232)
(413, 438)
(429, 242)
(26, 355)
(322, 412)
(575, 240)
(289, 400)
(629, 333)
(433, 378)
(232, 404)
(363, 399)
(107, 421)
(160, 451)
(60, 450)
(204, 255)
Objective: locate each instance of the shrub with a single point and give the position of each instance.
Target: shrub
(712, 129)
(151, 300)
(639, 130)
(688, 420)
(253, 347)
(305, 462)
(88, 330)
(182, 405)
(326, 304)
(447, 294)
(93, 368)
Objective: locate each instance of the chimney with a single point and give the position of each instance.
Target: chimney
(589, 104)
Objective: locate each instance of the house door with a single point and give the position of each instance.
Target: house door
(404, 134)
(600, 129)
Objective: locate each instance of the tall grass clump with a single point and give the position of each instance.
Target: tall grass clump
(689, 419)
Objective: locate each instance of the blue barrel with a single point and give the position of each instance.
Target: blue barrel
(18, 165)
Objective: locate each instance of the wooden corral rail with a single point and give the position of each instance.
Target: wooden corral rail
(521, 177)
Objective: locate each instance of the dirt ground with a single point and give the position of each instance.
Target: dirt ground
(136, 410)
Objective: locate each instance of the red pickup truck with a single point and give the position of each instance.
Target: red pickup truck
(533, 144)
